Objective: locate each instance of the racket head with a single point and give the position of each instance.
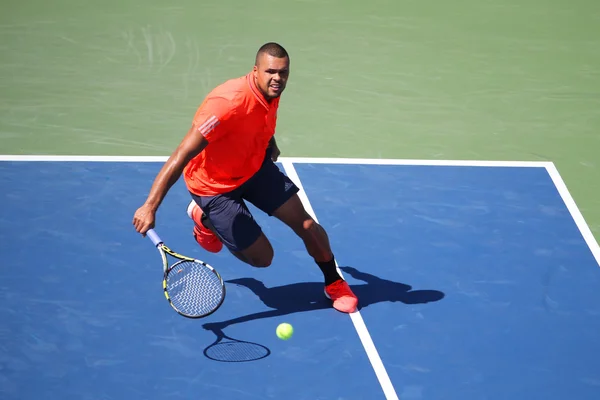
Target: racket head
(193, 288)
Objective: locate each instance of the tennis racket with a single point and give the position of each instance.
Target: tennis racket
(193, 288)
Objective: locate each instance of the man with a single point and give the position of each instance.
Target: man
(227, 158)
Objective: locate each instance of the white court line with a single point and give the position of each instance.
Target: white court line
(81, 158)
(584, 228)
(446, 163)
(357, 320)
(297, 160)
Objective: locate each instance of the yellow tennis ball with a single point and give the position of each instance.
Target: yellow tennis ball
(284, 331)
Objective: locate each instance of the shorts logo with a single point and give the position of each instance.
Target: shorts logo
(208, 125)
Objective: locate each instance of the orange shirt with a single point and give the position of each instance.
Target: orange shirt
(238, 123)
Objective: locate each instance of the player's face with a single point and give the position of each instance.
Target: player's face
(271, 75)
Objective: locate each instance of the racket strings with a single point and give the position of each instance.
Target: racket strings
(194, 289)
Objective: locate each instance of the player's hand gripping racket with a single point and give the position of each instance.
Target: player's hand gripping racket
(193, 288)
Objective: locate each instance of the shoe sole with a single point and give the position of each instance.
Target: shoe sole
(190, 208)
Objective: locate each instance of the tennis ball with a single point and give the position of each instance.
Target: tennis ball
(284, 331)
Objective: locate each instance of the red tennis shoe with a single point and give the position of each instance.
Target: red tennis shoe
(341, 294)
(204, 236)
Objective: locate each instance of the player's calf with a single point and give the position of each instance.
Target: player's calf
(315, 239)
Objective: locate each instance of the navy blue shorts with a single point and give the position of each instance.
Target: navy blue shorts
(228, 214)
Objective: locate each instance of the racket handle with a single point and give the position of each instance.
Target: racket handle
(154, 237)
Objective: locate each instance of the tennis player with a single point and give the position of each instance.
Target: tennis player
(227, 159)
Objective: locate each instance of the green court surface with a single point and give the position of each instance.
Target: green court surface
(483, 80)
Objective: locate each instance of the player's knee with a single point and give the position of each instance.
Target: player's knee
(259, 254)
(311, 229)
(261, 257)
(310, 225)
(262, 261)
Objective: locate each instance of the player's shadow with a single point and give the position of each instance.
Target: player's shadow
(309, 296)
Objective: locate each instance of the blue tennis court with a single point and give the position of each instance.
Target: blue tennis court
(474, 281)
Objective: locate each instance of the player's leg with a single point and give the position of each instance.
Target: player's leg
(275, 194)
(314, 236)
(226, 218)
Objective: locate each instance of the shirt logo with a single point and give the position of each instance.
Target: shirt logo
(209, 125)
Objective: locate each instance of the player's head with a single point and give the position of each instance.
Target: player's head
(271, 70)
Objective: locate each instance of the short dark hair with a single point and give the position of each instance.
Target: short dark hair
(272, 49)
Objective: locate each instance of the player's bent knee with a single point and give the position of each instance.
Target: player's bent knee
(254, 261)
(312, 227)
(260, 254)
(309, 224)
(262, 261)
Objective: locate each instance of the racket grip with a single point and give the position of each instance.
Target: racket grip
(154, 237)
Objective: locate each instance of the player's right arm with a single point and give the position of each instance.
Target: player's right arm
(191, 145)
(209, 125)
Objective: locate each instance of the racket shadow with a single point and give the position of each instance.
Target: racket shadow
(304, 297)
(228, 349)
